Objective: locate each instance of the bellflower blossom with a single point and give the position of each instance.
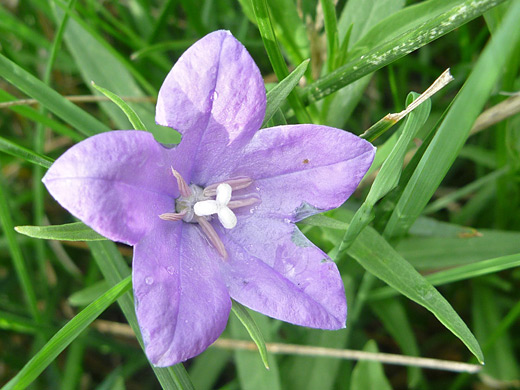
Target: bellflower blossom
(213, 218)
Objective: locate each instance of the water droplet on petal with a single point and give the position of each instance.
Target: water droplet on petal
(149, 280)
(170, 270)
(215, 95)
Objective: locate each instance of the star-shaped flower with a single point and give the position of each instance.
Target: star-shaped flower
(213, 218)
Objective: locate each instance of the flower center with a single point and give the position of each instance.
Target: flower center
(196, 205)
(219, 206)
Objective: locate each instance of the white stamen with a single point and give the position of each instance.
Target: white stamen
(218, 206)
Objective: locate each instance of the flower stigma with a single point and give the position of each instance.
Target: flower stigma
(196, 205)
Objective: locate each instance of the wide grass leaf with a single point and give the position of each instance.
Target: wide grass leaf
(487, 314)
(76, 231)
(13, 149)
(393, 315)
(397, 23)
(376, 58)
(468, 271)
(380, 259)
(87, 295)
(49, 98)
(102, 64)
(465, 246)
(96, 63)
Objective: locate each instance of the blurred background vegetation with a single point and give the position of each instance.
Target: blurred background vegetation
(446, 200)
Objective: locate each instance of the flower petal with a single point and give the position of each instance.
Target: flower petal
(303, 169)
(118, 183)
(182, 304)
(272, 268)
(215, 96)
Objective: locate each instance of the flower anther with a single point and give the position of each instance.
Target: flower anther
(219, 206)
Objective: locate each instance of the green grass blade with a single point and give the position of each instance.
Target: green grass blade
(277, 95)
(360, 16)
(487, 314)
(15, 251)
(455, 127)
(38, 117)
(83, 33)
(410, 17)
(331, 32)
(369, 375)
(89, 294)
(24, 153)
(388, 177)
(192, 9)
(15, 323)
(275, 55)
(76, 231)
(207, 368)
(65, 336)
(393, 315)
(160, 22)
(457, 246)
(251, 372)
(52, 100)
(377, 256)
(161, 47)
(357, 17)
(388, 52)
(464, 272)
(253, 330)
(441, 203)
(129, 112)
(290, 29)
(99, 64)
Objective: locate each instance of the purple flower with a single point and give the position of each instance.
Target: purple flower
(213, 218)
